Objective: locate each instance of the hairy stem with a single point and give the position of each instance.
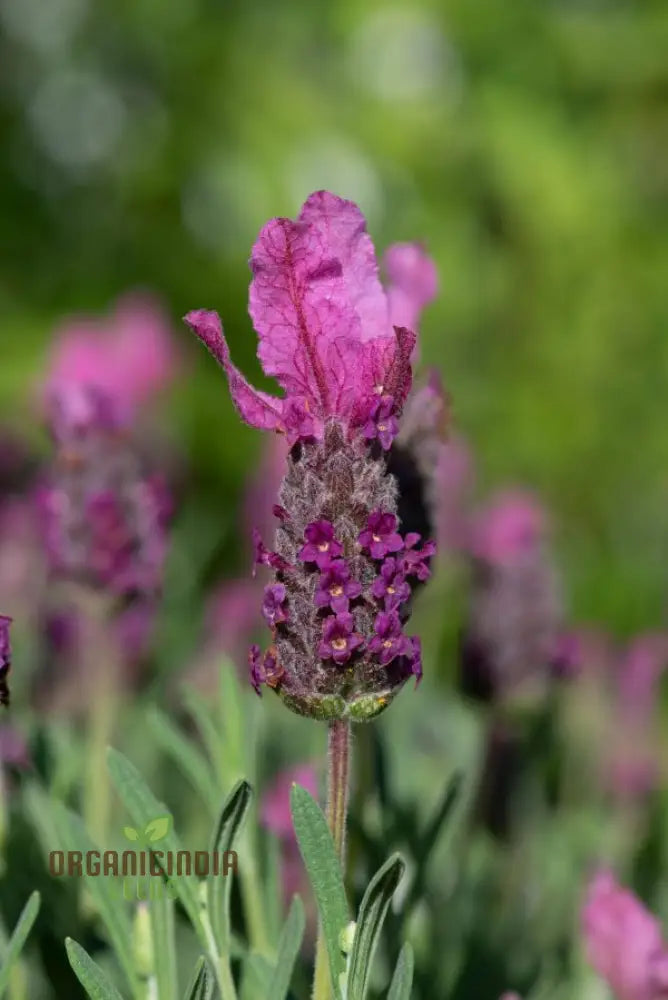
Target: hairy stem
(338, 768)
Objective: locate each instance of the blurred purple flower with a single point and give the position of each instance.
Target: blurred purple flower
(514, 617)
(275, 812)
(112, 365)
(509, 529)
(624, 941)
(633, 753)
(13, 749)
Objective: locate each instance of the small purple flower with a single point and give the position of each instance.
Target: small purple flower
(381, 537)
(264, 668)
(382, 424)
(5, 658)
(274, 605)
(321, 546)
(339, 641)
(415, 561)
(335, 588)
(389, 641)
(391, 586)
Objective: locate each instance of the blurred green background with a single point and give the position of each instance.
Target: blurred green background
(144, 144)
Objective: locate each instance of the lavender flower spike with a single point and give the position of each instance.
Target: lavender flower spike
(327, 332)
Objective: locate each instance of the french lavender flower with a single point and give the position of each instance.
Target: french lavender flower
(5, 658)
(103, 517)
(512, 633)
(325, 333)
(623, 941)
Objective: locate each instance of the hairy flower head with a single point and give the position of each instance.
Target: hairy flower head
(327, 333)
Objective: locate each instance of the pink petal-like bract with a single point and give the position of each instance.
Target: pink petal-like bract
(412, 282)
(323, 324)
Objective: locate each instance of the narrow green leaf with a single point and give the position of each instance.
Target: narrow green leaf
(185, 755)
(89, 973)
(230, 822)
(256, 977)
(19, 936)
(161, 912)
(143, 806)
(272, 884)
(74, 836)
(402, 980)
(322, 864)
(288, 949)
(203, 982)
(373, 910)
(440, 817)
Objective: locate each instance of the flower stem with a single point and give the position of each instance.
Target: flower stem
(338, 768)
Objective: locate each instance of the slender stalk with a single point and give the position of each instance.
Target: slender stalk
(338, 769)
(102, 678)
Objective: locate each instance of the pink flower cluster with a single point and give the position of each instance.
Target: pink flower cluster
(624, 941)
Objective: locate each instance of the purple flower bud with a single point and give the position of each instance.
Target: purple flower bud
(391, 587)
(339, 641)
(321, 546)
(274, 605)
(382, 424)
(5, 658)
(335, 588)
(415, 562)
(380, 537)
(264, 668)
(389, 640)
(263, 557)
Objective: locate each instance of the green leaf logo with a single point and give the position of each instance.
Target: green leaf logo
(131, 833)
(157, 829)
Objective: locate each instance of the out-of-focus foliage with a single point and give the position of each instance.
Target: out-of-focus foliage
(526, 144)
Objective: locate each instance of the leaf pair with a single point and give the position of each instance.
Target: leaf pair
(349, 976)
